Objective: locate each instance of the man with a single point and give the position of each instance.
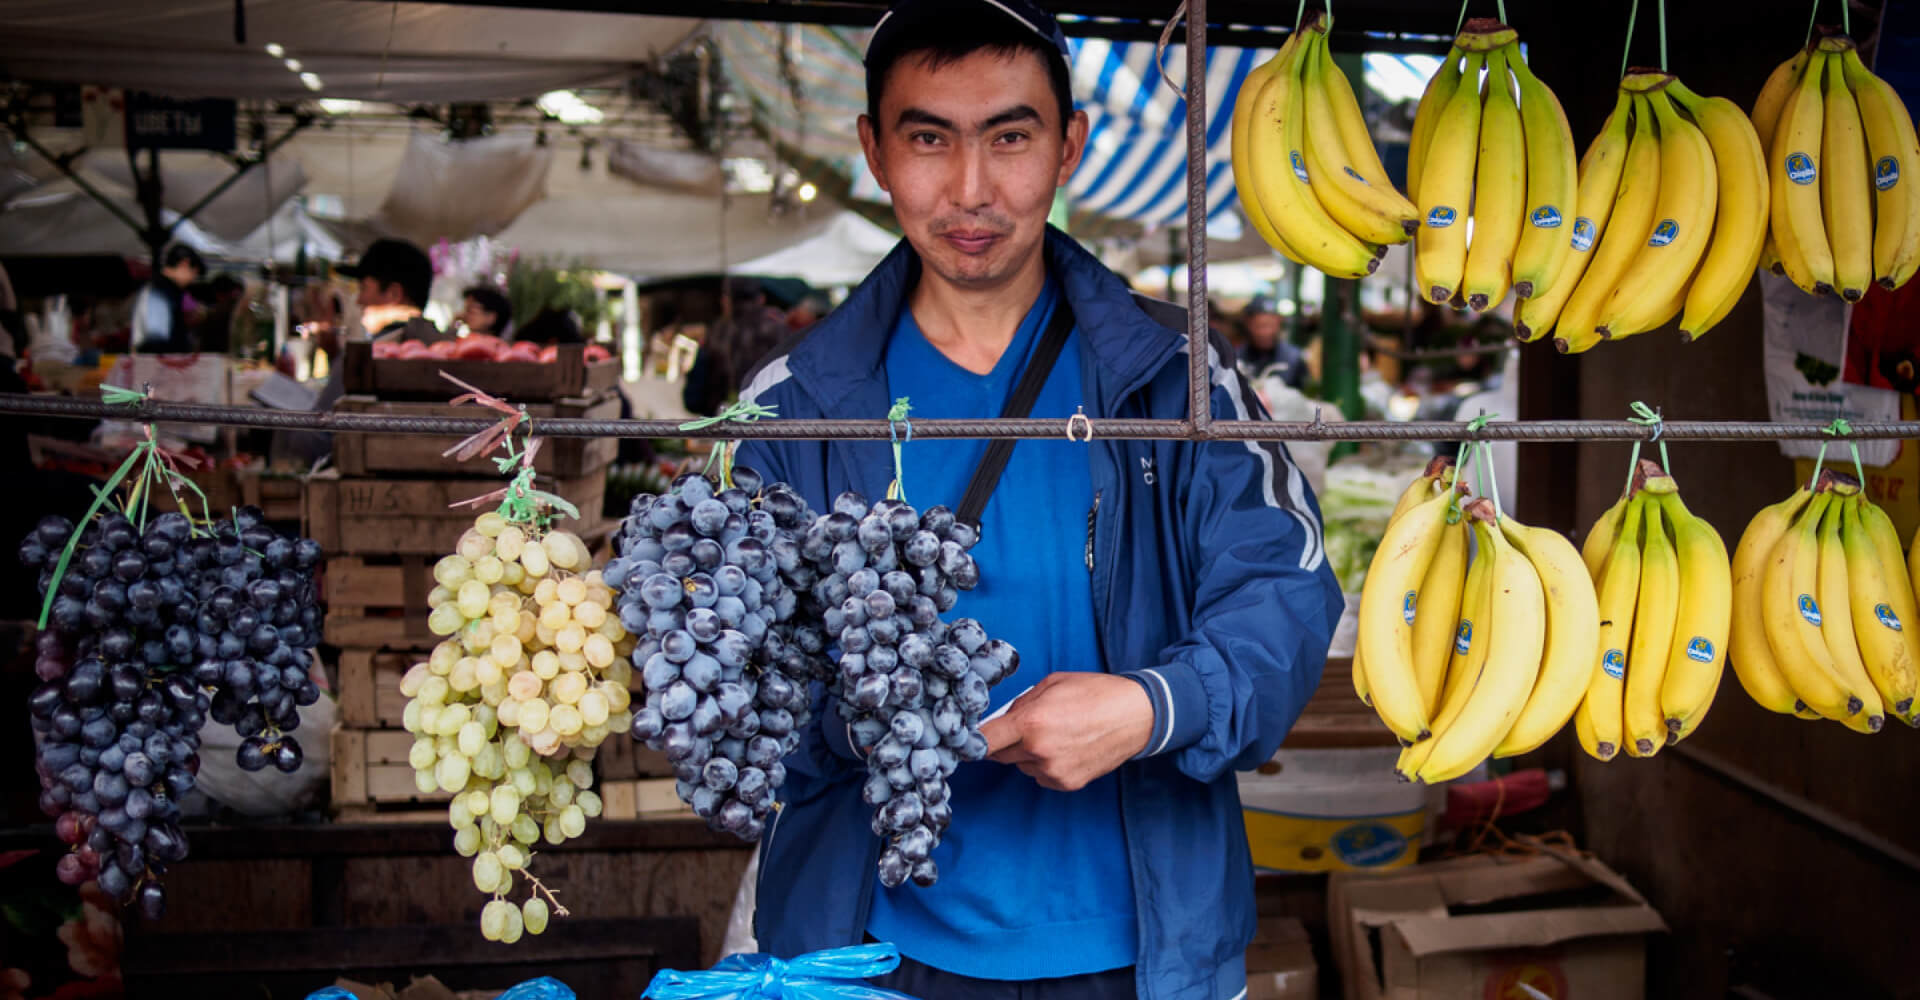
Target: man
(395, 279)
(733, 346)
(1170, 600)
(1266, 350)
(160, 323)
(485, 309)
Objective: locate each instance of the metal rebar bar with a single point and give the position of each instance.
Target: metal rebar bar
(1199, 380)
(68, 407)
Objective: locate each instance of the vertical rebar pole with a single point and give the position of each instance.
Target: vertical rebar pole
(1199, 389)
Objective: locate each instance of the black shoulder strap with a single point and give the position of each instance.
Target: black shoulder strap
(1025, 392)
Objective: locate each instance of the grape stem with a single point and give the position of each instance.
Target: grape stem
(553, 900)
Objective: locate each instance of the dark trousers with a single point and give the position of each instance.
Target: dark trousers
(926, 983)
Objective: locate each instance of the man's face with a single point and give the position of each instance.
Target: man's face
(182, 274)
(972, 154)
(1263, 329)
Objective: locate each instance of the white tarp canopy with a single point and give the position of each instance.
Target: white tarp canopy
(842, 254)
(57, 219)
(367, 51)
(659, 234)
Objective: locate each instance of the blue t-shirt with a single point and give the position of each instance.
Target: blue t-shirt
(1034, 884)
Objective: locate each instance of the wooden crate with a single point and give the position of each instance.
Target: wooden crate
(388, 516)
(281, 497)
(369, 686)
(646, 798)
(374, 603)
(1336, 717)
(420, 455)
(567, 376)
(371, 776)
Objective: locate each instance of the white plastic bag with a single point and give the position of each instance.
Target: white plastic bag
(268, 792)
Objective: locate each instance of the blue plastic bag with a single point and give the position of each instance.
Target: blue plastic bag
(544, 988)
(833, 974)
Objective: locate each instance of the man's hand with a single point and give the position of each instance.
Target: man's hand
(1071, 728)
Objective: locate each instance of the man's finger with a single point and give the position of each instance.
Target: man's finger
(1000, 734)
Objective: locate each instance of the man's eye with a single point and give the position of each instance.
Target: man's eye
(924, 138)
(1010, 138)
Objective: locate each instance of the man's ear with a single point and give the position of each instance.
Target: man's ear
(1074, 148)
(870, 145)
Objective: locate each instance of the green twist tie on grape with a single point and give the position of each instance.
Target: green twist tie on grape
(896, 417)
(742, 411)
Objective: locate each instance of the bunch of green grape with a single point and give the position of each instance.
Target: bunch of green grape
(508, 709)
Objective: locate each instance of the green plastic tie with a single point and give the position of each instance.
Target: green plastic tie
(896, 418)
(1663, 36)
(1461, 21)
(1489, 485)
(742, 411)
(1647, 416)
(114, 395)
(1626, 50)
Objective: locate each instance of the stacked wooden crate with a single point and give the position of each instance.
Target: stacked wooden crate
(384, 515)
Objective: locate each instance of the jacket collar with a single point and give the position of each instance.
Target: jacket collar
(840, 365)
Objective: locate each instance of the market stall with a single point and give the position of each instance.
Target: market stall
(1438, 760)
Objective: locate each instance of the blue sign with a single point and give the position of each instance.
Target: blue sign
(1583, 234)
(1369, 845)
(1545, 217)
(1886, 173)
(1800, 169)
(155, 122)
(1664, 233)
(1441, 217)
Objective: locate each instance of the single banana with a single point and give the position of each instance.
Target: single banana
(1573, 629)
(1740, 221)
(1655, 616)
(1499, 190)
(1585, 730)
(1516, 638)
(1689, 193)
(1467, 653)
(1241, 144)
(1844, 202)
(1792, 615)
(1552, 184)
(1890, 653)
(1699, 652)
(1896, 159)
(1446, 189)
(1276, 135)
(1619, 590)
(1426, 116)
(1370, 210)
(1599, 541)
(1628, 228)
(1388, 603)
(1886, 548)
(1438, 613)
(1793, 173)
(1836, 625)
(1439, 473)
(1766, 117)
(1747, 646)
(1600, 171)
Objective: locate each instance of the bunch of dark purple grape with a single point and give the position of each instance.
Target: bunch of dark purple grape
(150, 632)
(910, 686)
(699, 580)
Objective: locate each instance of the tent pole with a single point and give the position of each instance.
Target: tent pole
(1199, 384)
(299, 125)
(64, 164)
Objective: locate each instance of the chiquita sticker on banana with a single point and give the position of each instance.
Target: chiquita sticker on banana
(1664, 233)
(1700, 649)
(1886, 173)
(1800, 169)
(1441, 217)
(1463, 640)
(1583, 230)
(1545, 217)
(1887, 617)
(1407, 605)
(1299, 166)
(1810, 609)
(1614, 663)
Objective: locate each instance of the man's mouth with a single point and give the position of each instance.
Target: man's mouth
(970, 241)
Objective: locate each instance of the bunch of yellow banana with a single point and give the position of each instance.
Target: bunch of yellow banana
(1840, 144)
(1825, 604)
(1499, 147)
(1671, 219)
(1476, 631)
(1666, 598)
(1309, 178)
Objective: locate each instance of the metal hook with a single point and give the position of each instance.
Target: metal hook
(1080, 419)
(1160, 51)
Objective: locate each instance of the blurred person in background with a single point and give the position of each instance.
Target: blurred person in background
(160, 322)
(395, 279)
(807, 311)
(550, 326)
(213, 328)
(486, 309)
(733, 346)
(1265, 352)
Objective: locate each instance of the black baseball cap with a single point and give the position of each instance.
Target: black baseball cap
(395, 261)
(907, 14)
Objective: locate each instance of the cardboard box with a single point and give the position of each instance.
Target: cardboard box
(1554, 925)
(1280, 964)
(1332, 810)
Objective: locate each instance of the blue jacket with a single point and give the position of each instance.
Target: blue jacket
(1210, 586)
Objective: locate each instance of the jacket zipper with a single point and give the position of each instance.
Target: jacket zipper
(1093, 518)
